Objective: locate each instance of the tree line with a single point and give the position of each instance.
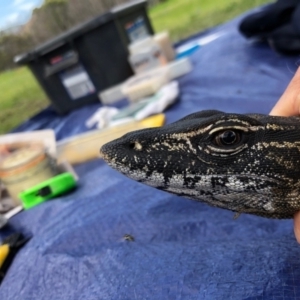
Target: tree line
(49, 20)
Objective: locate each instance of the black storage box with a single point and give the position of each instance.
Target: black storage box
(76, 65)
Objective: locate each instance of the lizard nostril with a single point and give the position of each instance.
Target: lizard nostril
(135, 146)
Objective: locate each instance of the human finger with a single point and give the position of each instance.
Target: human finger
(289, 102)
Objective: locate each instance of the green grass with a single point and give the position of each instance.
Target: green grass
(183, 18)
(21, 97)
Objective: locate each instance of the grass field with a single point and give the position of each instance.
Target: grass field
(21, 96)
(186, 17)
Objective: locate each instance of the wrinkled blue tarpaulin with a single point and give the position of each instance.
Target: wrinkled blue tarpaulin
(182, 249)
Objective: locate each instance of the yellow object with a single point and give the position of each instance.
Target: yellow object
(4, 251)
(154, 121)
(86, 146)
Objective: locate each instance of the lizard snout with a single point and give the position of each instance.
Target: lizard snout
(129, 143)
(120, 147)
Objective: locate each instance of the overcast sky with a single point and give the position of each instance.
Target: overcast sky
(16, 12)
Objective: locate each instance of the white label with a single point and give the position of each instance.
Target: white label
(78, 83)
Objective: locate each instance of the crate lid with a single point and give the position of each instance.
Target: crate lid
(79, 30)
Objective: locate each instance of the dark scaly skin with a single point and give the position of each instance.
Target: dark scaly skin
(258, 174)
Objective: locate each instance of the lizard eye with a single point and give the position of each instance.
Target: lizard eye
(227, 138)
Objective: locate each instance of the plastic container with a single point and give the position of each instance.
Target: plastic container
(24, 169)
(145, 84)
(179, 67)
(112, 95)
(147, 60)
(145, 55)
(163, 40)
(139, 46)
(87, 59)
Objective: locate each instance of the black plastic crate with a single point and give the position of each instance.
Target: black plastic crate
(76, 65)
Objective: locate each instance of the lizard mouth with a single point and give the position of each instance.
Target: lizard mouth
(104, 153)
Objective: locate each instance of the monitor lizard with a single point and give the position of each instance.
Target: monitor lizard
(247, 163)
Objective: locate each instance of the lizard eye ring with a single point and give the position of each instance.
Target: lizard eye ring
(227, 138)
(226, 142)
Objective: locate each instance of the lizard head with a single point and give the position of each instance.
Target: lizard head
(238, 162)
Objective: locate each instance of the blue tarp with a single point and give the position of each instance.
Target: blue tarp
(182, 249)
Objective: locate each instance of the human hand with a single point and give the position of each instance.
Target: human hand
(289, 105)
